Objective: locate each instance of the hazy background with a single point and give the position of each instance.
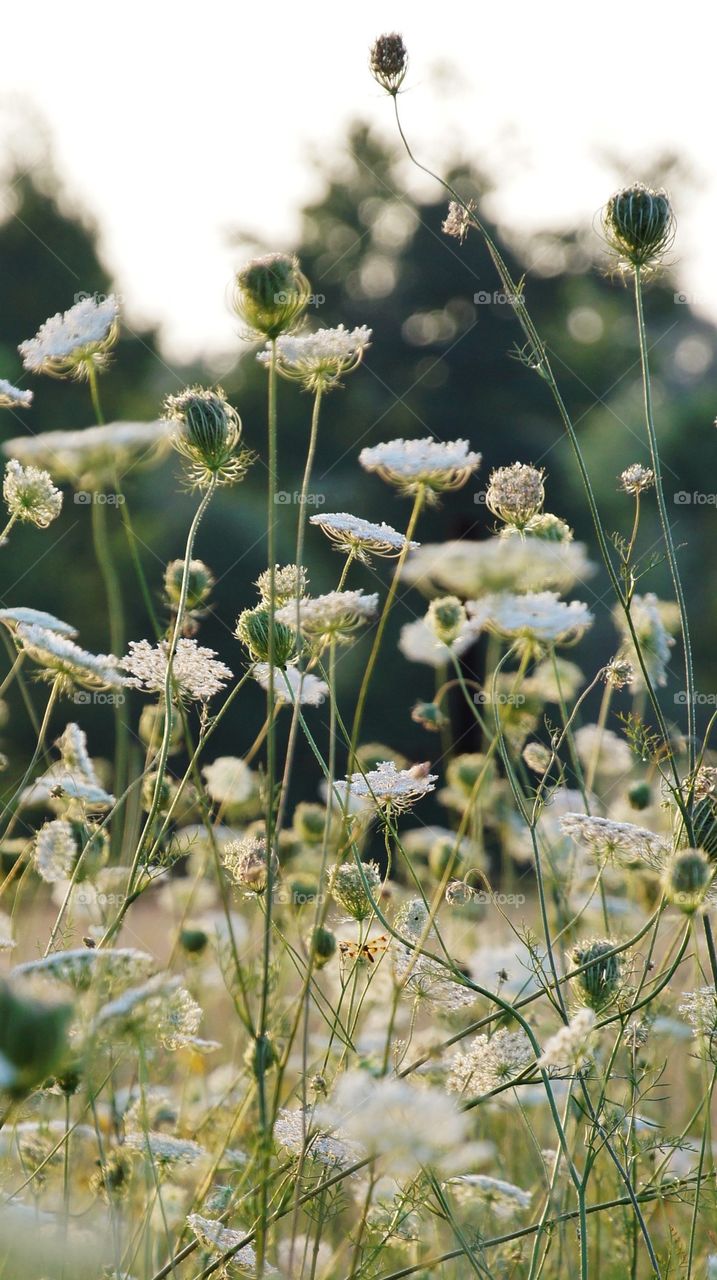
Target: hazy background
(152, 148)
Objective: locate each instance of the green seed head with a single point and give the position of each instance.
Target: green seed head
(199, 583)
(638, 224)
(271, 294)
(253, 630)
(322, 942)
(686, 879)
(599, 983)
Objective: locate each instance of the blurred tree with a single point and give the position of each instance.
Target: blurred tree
(443, 362)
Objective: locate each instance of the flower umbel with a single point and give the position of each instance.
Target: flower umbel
(207, 434)
(30, 495)
(74, 342)
(319, 360)
(434, 465)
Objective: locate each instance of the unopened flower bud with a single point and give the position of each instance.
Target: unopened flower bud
(193, 941)
(346, 884)
(639, 795)
(599, 982)
(199, 583)
(515, 493)
(271, 294)
(207, 433)
(32, 1041)
(253, 627)
(389, 62)
(260, 1055)
(309, 822)
(686, 879)
(446, 617)
(638, 224)
(322, 945)
(429, 715)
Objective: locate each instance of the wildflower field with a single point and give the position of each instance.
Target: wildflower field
(314, 1009)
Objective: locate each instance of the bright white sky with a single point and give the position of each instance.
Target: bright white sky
(175, 122)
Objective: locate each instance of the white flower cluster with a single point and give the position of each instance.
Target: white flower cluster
(319, 359)
(60, 657)
(72, 779)
(334, 615)
(418, 642)
(434, 465)
(30, 495)
(13, 397)
(360, 537)
(94, 454)
(292, 685)
(196, 672)
(472, 569)
(534, 616)
(490, 1062)
(570, 1048)
(616, 842)
(82, 331)
(387, 787)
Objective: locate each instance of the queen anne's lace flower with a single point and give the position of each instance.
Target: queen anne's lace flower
(388, 788)
(648, 616)
(457, 222)
(291, 685)
(216, 1238)
(320, 359)
(55, 851)
(418, 643)
(37, 618)
(490, 1062)
(196, 672)
(13, 397)
(83, 967)
(411, 465)
(471, 569)
(411, 1127)
(361, 538)
(229, 780)
(504, 1199)
(618, 842)
(160, 1008)
(536, 616)
(93, 455)
(61, 657)
(570, 1047)
(290, 581)
(296, 1131)
(72, 778)
(164, 1149)
(335, 615)
(30, 495)
(418, 975)
(70, 341)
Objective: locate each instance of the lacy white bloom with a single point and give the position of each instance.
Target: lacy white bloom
(610, 752)
(216, 1238)
(490, 1062)
(418, 642)
(296, 1130)
(196, 672)
(536, 616)
(418, 975)
(616, 842)
(61, 657)
(457, 222)
(229, 780)
(472, 569)
(84, 966)
(160, 1007)
(652, 620)
(335, 615)
(412, 464)
(411, 1127)
(290, 581)
(7, 941)
(37, 618)
(30, 495)
(55, 851)
(72, 778)
(570, 1047)
(95, 454)
(12, 397)
(68, 341)
(360, 537)
(165, 1149)
(504, 1199)
(700, 1010)
(319, 359)
(291, 684)
(387, 787)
